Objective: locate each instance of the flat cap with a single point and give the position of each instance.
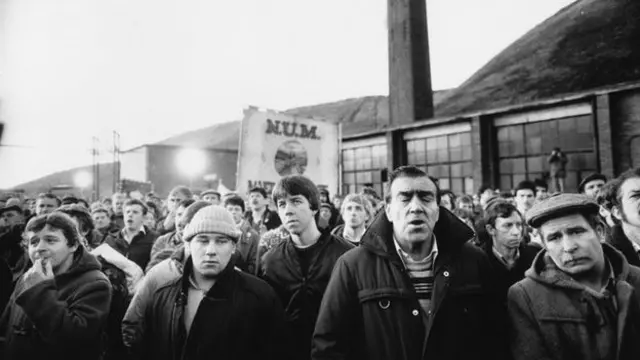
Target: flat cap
(589, 179)
(559, 205)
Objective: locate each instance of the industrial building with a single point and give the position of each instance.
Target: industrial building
(571, 82)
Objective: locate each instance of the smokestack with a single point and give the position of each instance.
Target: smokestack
(410, 92)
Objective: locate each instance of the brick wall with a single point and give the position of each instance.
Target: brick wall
(625, 126)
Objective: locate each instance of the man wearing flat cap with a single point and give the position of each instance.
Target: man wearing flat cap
(579, 299)
(213, 310)
(591, 185)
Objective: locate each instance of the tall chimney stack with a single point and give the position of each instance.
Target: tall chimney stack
(410, 92)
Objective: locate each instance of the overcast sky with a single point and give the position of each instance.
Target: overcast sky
(150, 69)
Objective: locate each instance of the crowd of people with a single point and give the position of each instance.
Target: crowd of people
(297, 274)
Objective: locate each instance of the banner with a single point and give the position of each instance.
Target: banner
(273, 145)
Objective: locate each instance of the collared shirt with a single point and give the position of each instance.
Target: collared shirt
(421, 272)
(194, 296)
(504, 261)
(129, 237)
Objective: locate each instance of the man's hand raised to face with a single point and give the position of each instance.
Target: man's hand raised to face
(39, 272)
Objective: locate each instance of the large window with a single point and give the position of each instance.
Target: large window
(446, 157)
(363, 165)
(523, 150)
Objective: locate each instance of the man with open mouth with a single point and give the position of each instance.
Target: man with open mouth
(415, 288)
(580, 297)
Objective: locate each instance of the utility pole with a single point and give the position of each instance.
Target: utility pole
(116, 160)
(96, 168)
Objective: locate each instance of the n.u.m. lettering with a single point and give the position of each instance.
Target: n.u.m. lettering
(291, 129)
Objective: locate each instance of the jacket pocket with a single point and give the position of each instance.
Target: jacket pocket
(389, 305)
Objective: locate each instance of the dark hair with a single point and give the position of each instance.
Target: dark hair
(541, 183)
(192, 209)
(409, 171)
(57, 220)
(451, 195)
(132, 202)
(617, 185)
(83, 202)
(506, 195)
(607, 197)
(69, 200)
(259, 190)
(297, 185)
(526, 185)
(85, 222)
(234, 201)
(499, 208)
(182, 190)
(186, 203)
(49, 196)
(153, 207)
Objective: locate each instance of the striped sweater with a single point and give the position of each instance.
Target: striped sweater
(421, 273)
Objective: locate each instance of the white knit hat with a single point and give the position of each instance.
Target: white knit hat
(212, 219)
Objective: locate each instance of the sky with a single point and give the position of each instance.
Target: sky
(71, 70)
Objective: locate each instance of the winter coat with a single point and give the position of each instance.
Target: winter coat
(246, 255)
(115, 349)
(301, 295)
(504, 278)
(240, 317)
(166, 271)
(139, 250)
(270, 220)
(170, 241)
(370, 309)
(6, 283)
(619, 240)
(62, 318)
(95, 238)
(554, 317)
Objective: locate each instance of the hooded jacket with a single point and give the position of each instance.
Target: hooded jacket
(554, 317)
(61, 318)
(240, 317)
(370, 309)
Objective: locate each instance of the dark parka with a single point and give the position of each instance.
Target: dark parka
(370, 310)
(301, 295)
(240, 317)
(553, 317)
(62, 318)
(619, 240)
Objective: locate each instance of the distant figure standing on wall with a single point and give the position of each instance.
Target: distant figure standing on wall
(557, 165)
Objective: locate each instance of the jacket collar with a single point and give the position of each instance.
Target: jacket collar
(224, 285)
(543, 269)
(450, 233)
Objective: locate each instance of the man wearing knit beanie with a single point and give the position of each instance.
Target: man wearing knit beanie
(219, 309)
